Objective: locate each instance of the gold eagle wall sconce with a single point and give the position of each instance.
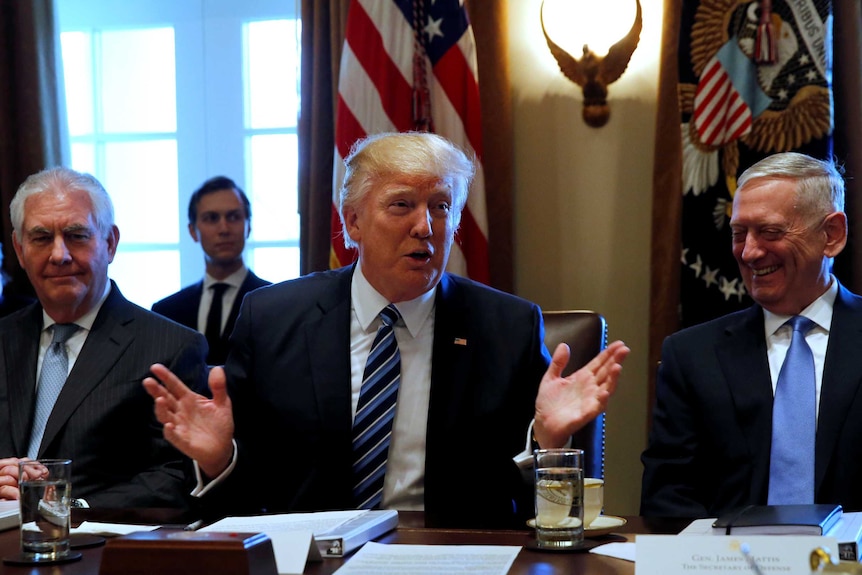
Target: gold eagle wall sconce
(594, 73)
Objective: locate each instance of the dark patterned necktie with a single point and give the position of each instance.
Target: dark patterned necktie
(375, 412)
(794, 423)
(55, 369)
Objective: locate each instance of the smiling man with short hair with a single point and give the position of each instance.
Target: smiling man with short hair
(764, 406)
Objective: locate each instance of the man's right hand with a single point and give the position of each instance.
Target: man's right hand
(199, 427)
(9, 478)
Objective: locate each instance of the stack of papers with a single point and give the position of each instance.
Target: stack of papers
(10, 514)
(299, 537)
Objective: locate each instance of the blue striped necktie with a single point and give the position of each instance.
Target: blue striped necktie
(375, 412)
(794, 423)
(55, 369)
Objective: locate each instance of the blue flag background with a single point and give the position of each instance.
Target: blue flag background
(754, 79)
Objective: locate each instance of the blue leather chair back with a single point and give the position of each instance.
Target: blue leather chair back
(586, 333)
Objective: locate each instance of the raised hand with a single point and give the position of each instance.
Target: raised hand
(566, 404)
(200, 427)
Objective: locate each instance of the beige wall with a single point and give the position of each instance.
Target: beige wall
(582, 204)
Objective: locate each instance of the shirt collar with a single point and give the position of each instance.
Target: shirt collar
(234, 280)
(819, 311)
(367, 303)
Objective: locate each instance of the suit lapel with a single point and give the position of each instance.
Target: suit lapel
(251, 282)
(842, 375)
(189, 310)
(21, 352)
(234, 310)
(743, 359)
(111, 334)
(450, 367)
(328, 343)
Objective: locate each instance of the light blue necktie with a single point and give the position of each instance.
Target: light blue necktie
(794, 423)
(55, 369)
(375, 412)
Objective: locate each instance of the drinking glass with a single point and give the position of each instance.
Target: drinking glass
(45, 491)
(559, 497)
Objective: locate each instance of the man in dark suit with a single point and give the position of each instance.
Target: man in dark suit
(719, 435)
(220, 220)
(473, 368)
(98, 416)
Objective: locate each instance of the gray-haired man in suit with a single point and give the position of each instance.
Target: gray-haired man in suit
(79, 396)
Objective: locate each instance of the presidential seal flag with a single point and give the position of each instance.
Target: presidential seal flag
(411, 65)
(754, 79)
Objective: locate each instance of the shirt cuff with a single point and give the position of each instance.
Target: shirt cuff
(524, 460)
(202, 487)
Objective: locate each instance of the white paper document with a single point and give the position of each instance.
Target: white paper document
(728, 555)
(380, 559)
(109, 529)
(618, 550)
(314, 522)
(10, 515)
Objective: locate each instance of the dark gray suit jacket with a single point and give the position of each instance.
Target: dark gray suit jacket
(712, 426)
(103, 419)
(182, 307)
(289, 378)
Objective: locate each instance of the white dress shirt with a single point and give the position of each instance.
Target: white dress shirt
(404, 483)
(778, 336)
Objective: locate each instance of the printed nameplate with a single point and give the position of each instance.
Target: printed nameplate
(731, 554)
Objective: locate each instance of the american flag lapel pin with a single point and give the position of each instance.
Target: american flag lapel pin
(460, 341)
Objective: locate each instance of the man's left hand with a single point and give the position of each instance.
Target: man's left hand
(565, 404)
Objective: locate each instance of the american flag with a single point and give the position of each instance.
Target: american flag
(727, 97)
(411, 65)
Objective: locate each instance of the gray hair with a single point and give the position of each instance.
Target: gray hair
(61, 179)
(819, 183)
(408, 153)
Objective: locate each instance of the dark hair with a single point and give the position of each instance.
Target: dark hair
(212, 185)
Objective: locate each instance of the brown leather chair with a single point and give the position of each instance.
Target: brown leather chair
(586, 332)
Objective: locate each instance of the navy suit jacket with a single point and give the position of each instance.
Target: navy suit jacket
(182, 307)
(103, 419)
(709, 446)
(289, 378)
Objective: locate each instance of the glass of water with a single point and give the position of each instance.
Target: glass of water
(559, 497)
(45, 491)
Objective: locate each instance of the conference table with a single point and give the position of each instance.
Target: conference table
(411, 530)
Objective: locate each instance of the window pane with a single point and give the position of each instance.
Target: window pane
(275, 264)
(272, 176)
(78, 78)
(141, 178)
(272, 63)
(84, 157)
(138, 81)
(135, 276)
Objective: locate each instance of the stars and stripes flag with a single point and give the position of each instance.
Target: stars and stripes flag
(411, 65)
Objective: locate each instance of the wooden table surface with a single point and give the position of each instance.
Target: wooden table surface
(411, 530)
